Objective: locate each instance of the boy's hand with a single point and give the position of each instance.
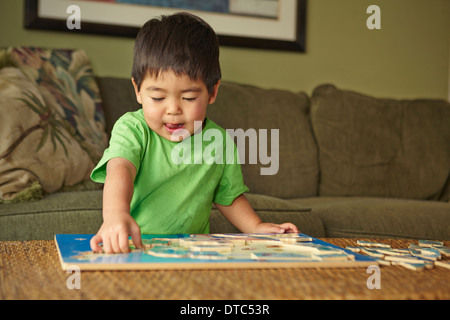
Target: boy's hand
(242, 215)
(114, 234)
(276, 228)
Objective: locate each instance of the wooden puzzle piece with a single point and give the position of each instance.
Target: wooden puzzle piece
(188, 242)
(207, 255)
(443, 264)
(444, 251)
(411, 266)
(216, 248)
(392, 252)
(168, 252)
(430, 243)
(312, 248)
(285, 237)
(410, 259)
(425, 252)
(293, 256)
(269, 238)
(336, 257)
(384, 262)
(372, 252)
(245, 251)
(372, 244)
(354, 249)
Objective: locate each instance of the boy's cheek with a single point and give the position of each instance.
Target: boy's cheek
(198, 114)
(150, 118)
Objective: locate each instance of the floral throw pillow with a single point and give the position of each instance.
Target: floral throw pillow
(52, 124)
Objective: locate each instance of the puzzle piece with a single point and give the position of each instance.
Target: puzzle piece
(372, 252)
(283, 256)
(443, 251)
(203, 241)
(443, 264)
(372, 244)
(168, 252)
(411, 266)
(312, 248)
(216, 248)
(384, 262)
(408, 259)
(336, 257)
(430, 243)
(392, 252)
(207, 255)
(285, 237)
(354, 249)
(425, 252)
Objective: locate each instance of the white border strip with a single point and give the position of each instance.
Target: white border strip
(284, 28)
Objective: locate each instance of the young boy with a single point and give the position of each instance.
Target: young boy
(176, 75)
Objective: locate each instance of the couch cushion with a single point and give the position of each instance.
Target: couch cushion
(357, 217)
(118, 97)
(62, 212)
(53, 122)
(274, 210)
(380, 147)
(34, 155)
(250, 108)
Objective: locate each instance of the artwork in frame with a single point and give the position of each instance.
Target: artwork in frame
(262, 24)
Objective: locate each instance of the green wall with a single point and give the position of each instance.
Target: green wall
(407, 58)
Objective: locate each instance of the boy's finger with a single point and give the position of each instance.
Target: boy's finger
(107, 247)
(95, 243)
(115, 244)
(275, 228)
(124, 245)
(289, 227)
(136, 237)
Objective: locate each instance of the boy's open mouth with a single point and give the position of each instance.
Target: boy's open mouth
(172, 127)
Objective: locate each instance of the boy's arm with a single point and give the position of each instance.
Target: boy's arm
(117, 221)
(243, 217)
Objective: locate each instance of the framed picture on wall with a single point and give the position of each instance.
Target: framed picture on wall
(263, 24)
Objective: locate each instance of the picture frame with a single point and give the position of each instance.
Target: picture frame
(285, 32)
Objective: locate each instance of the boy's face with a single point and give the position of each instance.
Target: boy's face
(172, 103)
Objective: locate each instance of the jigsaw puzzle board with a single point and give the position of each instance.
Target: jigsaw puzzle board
(215, 251)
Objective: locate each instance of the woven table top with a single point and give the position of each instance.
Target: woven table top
(31, 270)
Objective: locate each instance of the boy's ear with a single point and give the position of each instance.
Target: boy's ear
(136, 91)
(213, 96)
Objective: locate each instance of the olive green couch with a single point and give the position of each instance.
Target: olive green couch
(345, 164)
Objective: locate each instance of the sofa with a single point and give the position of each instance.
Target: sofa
(338, 163)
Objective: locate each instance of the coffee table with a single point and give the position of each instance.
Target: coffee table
(31, 270)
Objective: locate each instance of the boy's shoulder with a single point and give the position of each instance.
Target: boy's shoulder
(133, 119)
(210, 124)
(132, 115)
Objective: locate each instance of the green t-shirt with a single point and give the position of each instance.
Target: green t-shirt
(176, 182)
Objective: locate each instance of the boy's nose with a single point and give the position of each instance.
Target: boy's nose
(173, 108)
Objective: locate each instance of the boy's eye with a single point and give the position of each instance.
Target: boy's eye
(189, 99)
(157, 99)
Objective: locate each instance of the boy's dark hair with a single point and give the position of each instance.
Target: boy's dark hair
(183, 43)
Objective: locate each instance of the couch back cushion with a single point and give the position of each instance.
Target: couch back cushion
(118, 98)
(381, 147)
(260, 113)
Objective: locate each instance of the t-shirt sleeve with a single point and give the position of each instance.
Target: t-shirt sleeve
(126, 142)
(231, 185)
